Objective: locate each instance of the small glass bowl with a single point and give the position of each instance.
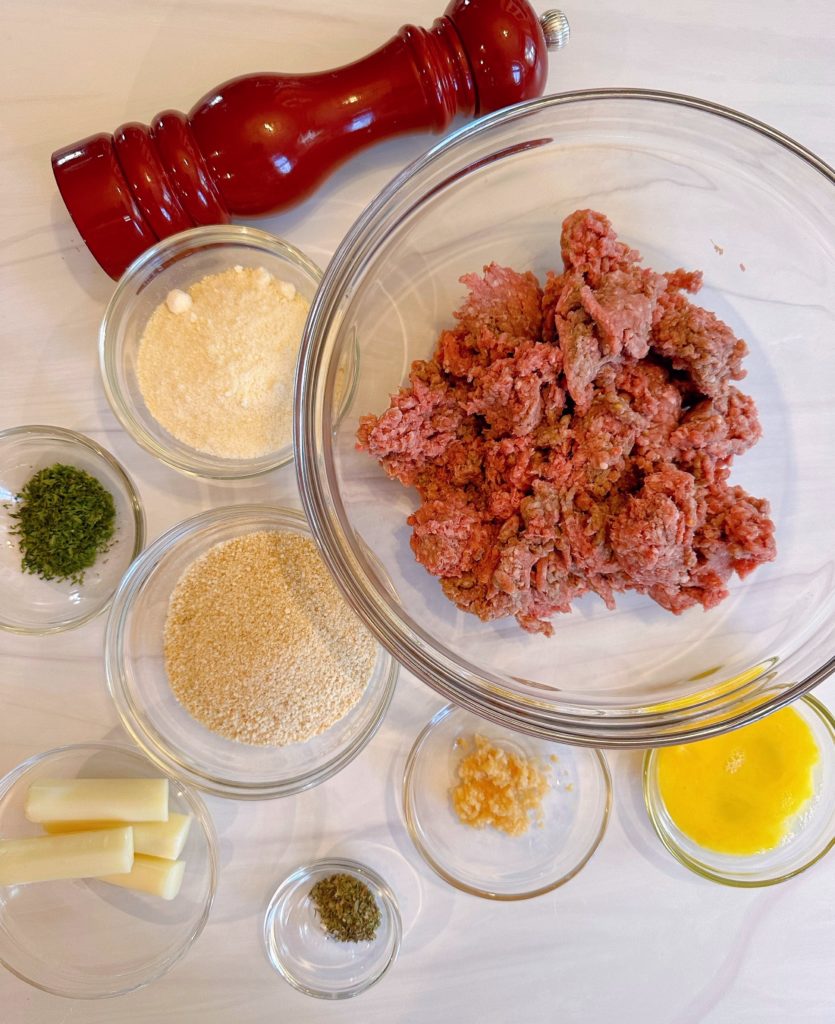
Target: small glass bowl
(811, 836)
(179, 262)
(302, 952)
(165, 731)
(486, 862)
(83, 938)
(29, 604)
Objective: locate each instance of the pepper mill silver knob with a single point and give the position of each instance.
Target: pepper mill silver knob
(556, 29)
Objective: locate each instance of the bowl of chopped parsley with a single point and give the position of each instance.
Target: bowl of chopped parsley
(70, 524)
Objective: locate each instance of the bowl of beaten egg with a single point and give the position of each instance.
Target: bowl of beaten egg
(752, 807)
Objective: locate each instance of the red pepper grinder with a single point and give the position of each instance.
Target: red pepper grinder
(262, 142)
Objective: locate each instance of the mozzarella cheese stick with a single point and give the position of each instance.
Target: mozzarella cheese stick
(76, 855)
(155, 838)
(119, 800)
(151, 874)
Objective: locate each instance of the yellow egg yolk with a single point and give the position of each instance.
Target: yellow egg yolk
(737, 793)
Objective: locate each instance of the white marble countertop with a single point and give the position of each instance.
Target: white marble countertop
(635, 936)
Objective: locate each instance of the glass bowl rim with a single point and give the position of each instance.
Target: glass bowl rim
(654, 804)
(487, 695)
(271, 517)
(381, 889)
(409, 817)
(201, 813)
(142, 269)
(73, 437)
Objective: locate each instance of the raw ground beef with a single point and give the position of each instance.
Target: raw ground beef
(577, 438)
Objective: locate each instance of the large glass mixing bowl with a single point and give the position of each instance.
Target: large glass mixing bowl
(690, 184)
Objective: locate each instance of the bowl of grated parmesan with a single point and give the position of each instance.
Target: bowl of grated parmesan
(198, 349)
(234, 662)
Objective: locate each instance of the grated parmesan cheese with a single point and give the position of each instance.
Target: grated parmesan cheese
(221, 379)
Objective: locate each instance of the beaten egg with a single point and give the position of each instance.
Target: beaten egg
(738, 793)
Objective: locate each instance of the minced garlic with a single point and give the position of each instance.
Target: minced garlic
(499, 788)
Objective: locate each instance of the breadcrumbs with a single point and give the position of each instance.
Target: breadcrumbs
(259, 644)
(215, 364)
(499, 788)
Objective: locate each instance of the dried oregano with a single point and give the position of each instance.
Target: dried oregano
(346, 907)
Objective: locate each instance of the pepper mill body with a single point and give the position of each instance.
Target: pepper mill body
(259, 143)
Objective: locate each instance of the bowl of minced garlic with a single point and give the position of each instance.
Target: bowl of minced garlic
(750, 807)
(500, 814)
(198, 349)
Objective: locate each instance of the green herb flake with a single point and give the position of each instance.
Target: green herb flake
(346, 907)
(65, 520)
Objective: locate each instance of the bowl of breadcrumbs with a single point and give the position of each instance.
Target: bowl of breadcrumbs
(198, 346)
(234, 661)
